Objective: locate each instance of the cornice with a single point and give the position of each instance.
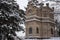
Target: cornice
(34, 19)
(35, 16)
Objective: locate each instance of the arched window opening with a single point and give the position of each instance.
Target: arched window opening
(51, 31)
(30, 30)
(59, 32)
(37, 30)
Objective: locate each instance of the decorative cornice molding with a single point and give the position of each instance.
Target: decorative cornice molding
(34, 19)
(35, 16)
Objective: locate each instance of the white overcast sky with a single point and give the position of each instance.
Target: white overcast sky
(22, 3)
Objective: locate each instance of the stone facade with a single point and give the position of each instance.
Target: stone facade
(39, 20)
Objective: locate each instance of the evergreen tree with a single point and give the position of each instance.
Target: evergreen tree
(10, 18)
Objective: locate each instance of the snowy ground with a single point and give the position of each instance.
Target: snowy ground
(53, 38)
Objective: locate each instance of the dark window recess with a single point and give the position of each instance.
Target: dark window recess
(30, 30)
(51, 31)
(37, 30)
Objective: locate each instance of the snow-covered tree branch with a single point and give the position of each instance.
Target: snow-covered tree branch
(10, 18)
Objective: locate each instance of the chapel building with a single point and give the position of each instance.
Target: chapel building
(39, 20)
